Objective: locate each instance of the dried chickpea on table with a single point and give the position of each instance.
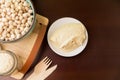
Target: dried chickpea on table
(16, 18)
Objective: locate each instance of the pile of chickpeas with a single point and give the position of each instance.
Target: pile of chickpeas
(16, 17)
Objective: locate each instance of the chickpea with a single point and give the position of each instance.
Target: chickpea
(10, 39)
(9, 13)
(4, 10)
(26, 8)
(5, 27)
(4, 33)
(25, 15)
(27, 25)
(6, 39)
(26, 29)
(23, 25)
(16, 3)
(18, 26)
(23, 32)
(13, 15)
(19, 7)
(11, 32)
(18, 36)
(21, 28)
(4, 20)
(8, 9)
(20, 12)
(29, 22)
(12, 6)
(20, 17)
(12, 11)
(30, 11)
(7, 17)
(18, 22)
(11, 26)
(8, 35)
(12, 36)
(17, 31)
(3, 14)
(8, 29)
(7, 4)
(2, 38)
(14, 24)
(16, 17)
(25, 4)
(28, 14)
(23, 21)
(10, 23)
(16, 9)
(20, 4)
(1, 24)
(2, 6)
(6, 24)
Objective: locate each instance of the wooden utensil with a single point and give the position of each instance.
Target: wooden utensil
(48, 72)
(40, 68)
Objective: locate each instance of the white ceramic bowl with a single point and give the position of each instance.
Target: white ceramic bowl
(58, 24)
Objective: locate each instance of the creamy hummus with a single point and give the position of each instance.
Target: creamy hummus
(69, 36)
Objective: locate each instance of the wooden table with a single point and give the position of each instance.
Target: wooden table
(101, 58)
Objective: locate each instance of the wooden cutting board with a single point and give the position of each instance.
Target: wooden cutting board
(27, 48)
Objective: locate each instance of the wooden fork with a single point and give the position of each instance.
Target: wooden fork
(40, 68)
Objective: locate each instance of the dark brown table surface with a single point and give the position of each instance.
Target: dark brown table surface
(101, 58)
